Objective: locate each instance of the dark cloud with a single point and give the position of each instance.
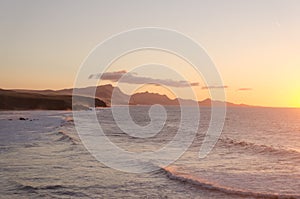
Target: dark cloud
(245, 89)
(113, 76)
(214, 87)
(133, 78)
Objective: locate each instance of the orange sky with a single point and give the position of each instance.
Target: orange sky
(255, 45)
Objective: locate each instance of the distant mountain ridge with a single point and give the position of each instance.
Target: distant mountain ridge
(147, 98)
(104, 93)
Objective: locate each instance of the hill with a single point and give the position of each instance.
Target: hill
(103, 92)
(13, 100)
(147, 98)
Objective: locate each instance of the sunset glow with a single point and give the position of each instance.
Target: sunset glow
(253, 45)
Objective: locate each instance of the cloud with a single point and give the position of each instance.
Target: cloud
(214, 87)
(133, 78)
(244, 89)
(113, 76)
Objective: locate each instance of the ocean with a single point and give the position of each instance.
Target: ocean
(256, 156)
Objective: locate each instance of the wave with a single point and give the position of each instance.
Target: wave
(30, 145)
(68, 119)
(66, 137)
(259, 148)
(5, 149)
(56, 188)
(186, 178)
(33, 188)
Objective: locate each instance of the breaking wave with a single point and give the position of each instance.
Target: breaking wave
(65, 137)
(186, 178)
(257, 148)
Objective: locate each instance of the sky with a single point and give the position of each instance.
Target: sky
(255, 45)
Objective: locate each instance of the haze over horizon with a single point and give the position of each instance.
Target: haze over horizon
(254, 45)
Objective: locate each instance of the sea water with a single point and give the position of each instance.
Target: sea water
(256, 156)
